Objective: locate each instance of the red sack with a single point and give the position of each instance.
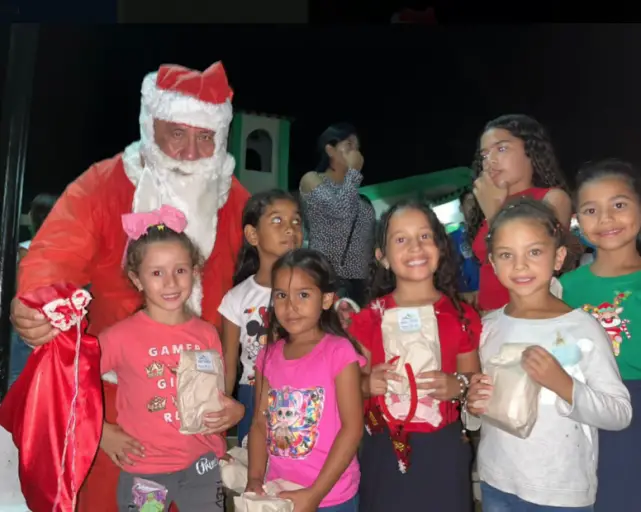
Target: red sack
(54, 410)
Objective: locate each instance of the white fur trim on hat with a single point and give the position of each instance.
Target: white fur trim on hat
(180, 108)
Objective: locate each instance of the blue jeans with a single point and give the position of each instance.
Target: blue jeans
(246, 396)
(19, 353)
(348, 506)
(619, 454)
(498, 501)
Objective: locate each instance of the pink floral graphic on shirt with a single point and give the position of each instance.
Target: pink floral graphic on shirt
(293, 416)
(609, 316)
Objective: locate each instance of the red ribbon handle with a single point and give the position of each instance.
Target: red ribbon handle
(413, 399)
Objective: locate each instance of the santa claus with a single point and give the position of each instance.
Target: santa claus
(182, 161)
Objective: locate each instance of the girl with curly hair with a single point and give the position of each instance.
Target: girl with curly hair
(514, 158)
(416, 268)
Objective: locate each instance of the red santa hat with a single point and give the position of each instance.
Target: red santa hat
(181, 95)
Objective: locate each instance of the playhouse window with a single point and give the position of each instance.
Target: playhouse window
(258, 152)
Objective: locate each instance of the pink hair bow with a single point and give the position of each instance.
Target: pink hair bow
(137, 224)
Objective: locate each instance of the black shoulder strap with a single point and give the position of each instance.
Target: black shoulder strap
(349, 239)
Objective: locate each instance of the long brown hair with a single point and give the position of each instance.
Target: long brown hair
(382, 281)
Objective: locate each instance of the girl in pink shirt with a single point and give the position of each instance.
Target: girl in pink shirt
(144, 351)
(308, 422)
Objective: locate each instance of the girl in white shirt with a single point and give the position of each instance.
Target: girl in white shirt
(272, 226)
(554, 468)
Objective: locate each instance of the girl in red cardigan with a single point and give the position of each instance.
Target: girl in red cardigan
(417, 464)
(514, 158)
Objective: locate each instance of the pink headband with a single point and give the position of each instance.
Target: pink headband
(137, 224)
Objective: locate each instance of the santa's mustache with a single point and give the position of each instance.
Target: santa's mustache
(207, 168)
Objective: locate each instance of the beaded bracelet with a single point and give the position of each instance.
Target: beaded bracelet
(464, 383)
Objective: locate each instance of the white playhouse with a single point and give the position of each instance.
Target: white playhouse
(260, 144)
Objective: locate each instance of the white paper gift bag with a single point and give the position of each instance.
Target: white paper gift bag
(233, 473)
(201, 378)
(252, 502)
(513, 405)
(279, 485)
(270, 502)
(411, 341)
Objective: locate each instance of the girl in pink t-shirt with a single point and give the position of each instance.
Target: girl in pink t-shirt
(144, 351)
(308, 422)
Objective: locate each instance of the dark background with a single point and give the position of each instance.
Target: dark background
(418, 95)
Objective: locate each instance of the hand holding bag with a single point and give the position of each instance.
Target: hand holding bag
(234, 472)
(54, 410)
(513, 405)
(411, 341)
(201, 379)
(269, 502)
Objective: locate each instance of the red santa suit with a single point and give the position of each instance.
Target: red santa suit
(82, 241)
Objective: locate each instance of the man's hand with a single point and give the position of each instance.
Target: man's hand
(30, 324)
(117, 444)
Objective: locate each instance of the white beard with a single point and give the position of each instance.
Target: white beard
(198, 189)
